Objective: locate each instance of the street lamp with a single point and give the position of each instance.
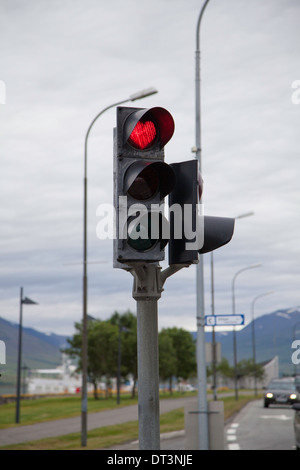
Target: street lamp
(27, 301)
(234, 331)
(201, 364)
(241, 216)
(253, 336)
(136, 96)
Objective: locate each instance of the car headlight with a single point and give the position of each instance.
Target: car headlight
(269, 395)
(293, 396)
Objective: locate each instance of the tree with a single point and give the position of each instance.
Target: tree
(102, 351)
(246, 367)
(182, 354)
(167, 358)
(128, 335)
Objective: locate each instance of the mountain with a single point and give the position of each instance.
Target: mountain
(274, 334)
(39, 350)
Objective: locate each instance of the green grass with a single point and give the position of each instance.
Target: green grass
(51, 408)
(107, 436)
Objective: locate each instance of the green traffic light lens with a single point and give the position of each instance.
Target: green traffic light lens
(139, 233)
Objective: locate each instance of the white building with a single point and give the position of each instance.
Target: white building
(63, 379)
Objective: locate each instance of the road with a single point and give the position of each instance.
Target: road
(259, 428)
(253, 428)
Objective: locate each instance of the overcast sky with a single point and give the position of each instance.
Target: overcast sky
(62, 63)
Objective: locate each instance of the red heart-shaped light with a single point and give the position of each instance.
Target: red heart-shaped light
(143, 135)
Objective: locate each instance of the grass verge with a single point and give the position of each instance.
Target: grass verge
(108, 436)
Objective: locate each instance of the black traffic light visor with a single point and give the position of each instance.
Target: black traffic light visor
(162, 119)
(218, 232)
(143, 179)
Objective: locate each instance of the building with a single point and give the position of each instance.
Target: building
(63, 379)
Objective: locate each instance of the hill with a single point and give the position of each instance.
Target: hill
(39, 350)
(273, 337)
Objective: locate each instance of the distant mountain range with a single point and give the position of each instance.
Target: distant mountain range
(274, 334)
(39, 350)
(273, 337)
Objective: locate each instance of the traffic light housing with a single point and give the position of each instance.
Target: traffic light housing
(141, 182)
(193, 232)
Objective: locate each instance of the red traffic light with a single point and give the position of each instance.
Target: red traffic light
(143, 135)
(141, 180)
(146, 127)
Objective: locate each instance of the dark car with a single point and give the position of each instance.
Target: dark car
(296, 407)
(281, 392)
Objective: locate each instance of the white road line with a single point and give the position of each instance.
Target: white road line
(231, 436)
(233, 447)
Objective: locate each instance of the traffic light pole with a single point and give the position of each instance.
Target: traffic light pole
(147, 289)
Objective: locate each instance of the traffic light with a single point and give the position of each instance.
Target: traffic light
(191, 232)
(141, 182)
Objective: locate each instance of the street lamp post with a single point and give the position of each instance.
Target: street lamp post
(253, 337)
(241, 216)
(201, 365)
(27, 301)
(134, 97)
(234, 330)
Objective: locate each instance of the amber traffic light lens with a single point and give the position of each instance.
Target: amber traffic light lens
(145, 185)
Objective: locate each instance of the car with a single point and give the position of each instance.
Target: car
(296, 407)
(281, 392)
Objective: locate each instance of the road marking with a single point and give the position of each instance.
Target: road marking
(231, 436)
(281, 417)
(233, 447)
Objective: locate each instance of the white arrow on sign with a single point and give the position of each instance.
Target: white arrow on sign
(224, 320)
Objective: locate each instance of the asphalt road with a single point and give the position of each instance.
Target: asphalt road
(259, 428)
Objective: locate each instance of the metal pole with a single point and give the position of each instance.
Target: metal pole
(234, 331)
(253, 347)
(201, 364)
(214, 355)
(253, 338)
(119, 365)
(148, 375)
(147, 288)
(19, 359)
